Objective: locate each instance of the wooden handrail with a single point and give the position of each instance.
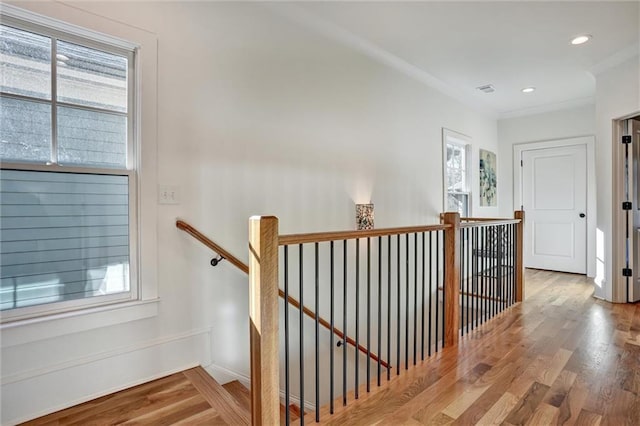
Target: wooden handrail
(318, 237)
(180, 224)
(478, 219)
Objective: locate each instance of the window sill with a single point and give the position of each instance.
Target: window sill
(31, 330)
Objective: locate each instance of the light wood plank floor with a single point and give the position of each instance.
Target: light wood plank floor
(190, 397)
(561, 357)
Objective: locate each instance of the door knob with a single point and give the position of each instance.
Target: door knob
(583, 215)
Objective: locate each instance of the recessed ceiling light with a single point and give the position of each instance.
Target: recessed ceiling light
(581, 39)
(528, 89)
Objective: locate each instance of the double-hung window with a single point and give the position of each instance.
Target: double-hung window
(68, 171)
(456, 149)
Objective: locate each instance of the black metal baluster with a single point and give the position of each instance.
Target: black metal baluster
(388, 307)
(406, 305)
(495, 274)
(331, 321)
(437, 287)
(512, 269)
(509, 265)
(317, 324)
(444, 293)
(469, 279)
(509, 268)
(498, 269)
(514, 257)
(344, 322)
(287, 395)
(398, 313)
(483, 273)
(473, 274)
(430, 289)
(498, 279)
(491, 275)
(379, 306)
(357, 300)
(301, 272)
(415, 296)
(491, 280)
(461, 283)
(476, 305)
(368, 314)
(501, 269)
(423, 296)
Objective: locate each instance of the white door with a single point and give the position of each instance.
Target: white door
(554, 195)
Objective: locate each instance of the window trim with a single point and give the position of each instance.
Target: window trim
(59, 30)
(450, 137)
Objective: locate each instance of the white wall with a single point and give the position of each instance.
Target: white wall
(256, 115)
(617, 96)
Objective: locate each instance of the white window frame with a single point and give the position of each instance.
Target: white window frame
(57, 30)
(450, 137)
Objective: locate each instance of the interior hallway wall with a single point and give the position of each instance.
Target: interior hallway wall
(257, 114)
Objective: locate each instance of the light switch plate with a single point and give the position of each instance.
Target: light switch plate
(168, 194)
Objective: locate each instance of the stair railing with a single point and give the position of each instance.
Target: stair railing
(490, 276)
(184, 226)
(385, 284)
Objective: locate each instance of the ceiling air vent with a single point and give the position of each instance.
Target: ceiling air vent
(487, 88)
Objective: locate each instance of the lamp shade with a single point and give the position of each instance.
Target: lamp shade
(364, 216)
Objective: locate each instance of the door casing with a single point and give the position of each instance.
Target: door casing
(619, 287)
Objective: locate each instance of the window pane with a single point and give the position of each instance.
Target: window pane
(455, 156)
(63, 236)
(458, 203)
(90, 77)
(25, 63)
(91, 138)
(25, 130)
(455, 180)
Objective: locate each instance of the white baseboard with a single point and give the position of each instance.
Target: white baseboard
(37, 392)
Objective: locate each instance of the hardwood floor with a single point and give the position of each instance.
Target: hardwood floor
(561, 357)
(190, 397)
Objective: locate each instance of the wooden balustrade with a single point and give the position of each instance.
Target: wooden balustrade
(184, 226)
(264, 244)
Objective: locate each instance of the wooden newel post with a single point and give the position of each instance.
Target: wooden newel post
(451, 278)
(263, 313)
(519, 214)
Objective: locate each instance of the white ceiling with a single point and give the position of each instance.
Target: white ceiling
(458, 46)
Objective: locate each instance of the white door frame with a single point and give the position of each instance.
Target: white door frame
(618, 285)
(589, 142)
